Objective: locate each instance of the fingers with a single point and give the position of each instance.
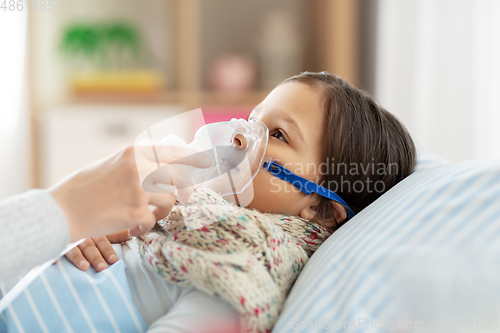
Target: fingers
(174, 154)
(163, 202)
(76, 257)
(92, 253)
(194, 158)
(182, 155)
(168, 165)
(148, 221)
(137, 231)
(119, 237)
(184, 194)
(106, 249)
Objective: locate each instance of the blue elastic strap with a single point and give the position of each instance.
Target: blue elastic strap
(305, 185)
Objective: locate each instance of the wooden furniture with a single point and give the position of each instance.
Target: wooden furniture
(190, 34)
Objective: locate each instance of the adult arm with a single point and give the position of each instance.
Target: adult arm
(33, 229)
(101, 199)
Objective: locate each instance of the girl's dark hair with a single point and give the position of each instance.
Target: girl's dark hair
(367, 150)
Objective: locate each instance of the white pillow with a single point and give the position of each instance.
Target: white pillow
(52, 302)
(425, 252)
(426, 160)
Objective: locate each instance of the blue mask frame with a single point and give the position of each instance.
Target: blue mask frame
(305, 185)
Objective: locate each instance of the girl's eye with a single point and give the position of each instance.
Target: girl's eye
(279, 135)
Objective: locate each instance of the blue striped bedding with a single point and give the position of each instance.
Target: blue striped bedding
(65, 299)
(429, 248)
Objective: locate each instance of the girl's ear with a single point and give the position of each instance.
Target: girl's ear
(339, 213)
(308, 213)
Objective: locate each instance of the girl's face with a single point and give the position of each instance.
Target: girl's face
(294, 114)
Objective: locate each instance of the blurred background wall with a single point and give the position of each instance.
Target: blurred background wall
(15, 135)
(437, 68)
(80, 79)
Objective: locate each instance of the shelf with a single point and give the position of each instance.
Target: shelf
(122, 98)
(186, 39)
(188, 98)
(199, 99)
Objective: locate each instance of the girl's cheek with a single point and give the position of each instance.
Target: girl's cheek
(262, 183)
(274, 152)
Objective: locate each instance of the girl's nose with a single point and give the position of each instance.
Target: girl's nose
(240, 142)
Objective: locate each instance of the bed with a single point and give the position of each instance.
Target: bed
(424, 257)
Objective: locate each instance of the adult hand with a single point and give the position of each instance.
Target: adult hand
(107, 197)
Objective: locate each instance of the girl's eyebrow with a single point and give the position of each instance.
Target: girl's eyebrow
(289, 120)
(286, 118)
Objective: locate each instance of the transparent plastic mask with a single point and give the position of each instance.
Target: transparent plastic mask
(237, 149)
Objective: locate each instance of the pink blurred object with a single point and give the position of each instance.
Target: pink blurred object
(216, 114)
(233, 73)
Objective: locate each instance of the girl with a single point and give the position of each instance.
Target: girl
(234, 273)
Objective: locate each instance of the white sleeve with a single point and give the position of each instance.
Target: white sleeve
(33, 229)
(196, 311)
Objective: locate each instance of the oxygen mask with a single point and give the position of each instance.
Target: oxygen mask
(236, 149)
